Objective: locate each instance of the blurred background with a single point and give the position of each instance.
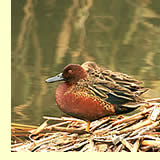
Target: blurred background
(47, 35)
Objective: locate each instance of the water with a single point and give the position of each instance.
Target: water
(47, 35)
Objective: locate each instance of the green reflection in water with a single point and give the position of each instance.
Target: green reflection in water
(47, 35)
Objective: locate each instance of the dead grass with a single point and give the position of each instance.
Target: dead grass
(139, 132)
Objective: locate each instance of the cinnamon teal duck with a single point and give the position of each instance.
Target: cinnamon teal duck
(90, 92)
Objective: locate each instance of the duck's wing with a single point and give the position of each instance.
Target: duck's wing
(115, 87)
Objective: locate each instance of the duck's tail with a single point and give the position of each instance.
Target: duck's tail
(128, 107)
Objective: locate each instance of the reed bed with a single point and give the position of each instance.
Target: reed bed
(139, 132)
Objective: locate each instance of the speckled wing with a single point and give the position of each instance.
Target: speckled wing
(114, 87)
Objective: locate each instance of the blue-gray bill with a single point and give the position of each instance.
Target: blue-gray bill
(56, 78)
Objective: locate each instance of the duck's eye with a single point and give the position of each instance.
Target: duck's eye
(70, 71)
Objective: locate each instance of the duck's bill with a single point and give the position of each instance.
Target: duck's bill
(56, 78)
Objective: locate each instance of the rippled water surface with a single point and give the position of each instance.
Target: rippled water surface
(47, 35)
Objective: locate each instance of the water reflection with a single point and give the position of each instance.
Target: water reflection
(47, 35)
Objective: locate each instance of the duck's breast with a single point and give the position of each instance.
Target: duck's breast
(81, 104)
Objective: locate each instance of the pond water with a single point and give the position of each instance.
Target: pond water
(47, 35)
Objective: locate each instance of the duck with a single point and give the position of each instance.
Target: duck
(90, 92)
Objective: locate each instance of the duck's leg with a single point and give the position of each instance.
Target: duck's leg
(88, 126)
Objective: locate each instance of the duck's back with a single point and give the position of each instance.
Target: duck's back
(115, 87)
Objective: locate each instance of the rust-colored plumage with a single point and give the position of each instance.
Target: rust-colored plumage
(91, 92)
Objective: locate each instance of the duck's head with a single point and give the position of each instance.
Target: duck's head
(72, 73)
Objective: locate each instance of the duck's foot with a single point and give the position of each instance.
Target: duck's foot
(88, 126)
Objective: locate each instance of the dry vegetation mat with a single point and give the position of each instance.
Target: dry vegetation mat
(139, 132)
